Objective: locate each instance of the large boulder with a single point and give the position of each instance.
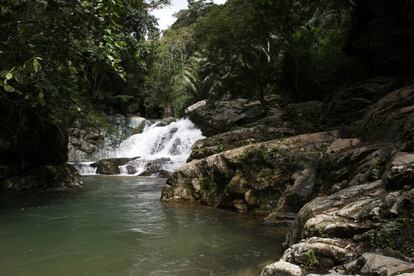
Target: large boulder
(137, 124)
(321, 253)
(363, 199)
(221, 116)
(110, 166)
(391, 118)
(350, 104)
(252, 178)
(374, 264)
(28, 139)
(45, 178)
(344, 214)
(237, 138)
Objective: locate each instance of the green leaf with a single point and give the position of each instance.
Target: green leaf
(36, 65)
(8, 88)
(9, 75)
(41, 95)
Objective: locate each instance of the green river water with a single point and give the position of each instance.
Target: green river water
(118, 226)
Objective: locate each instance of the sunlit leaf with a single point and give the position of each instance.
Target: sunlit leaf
(9, 75)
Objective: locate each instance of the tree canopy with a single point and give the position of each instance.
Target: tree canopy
(77, 58)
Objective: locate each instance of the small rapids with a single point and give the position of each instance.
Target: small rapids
(166, 147)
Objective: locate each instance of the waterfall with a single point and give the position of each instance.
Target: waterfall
(158, 148)
(84, 168)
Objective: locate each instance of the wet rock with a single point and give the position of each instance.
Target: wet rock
(47, 178)
(158, 173)
(160, 142)
(150, 167)
(166, 121)
(221, 116)
(111, 166)
(281, 268)
(137, 124)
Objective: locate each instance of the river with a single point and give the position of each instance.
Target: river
(118, 226)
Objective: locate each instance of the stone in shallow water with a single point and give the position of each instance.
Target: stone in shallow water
(281, 268)
(111, 166)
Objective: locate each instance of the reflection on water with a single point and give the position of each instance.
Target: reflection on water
(118, 226)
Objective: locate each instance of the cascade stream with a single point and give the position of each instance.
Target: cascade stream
(169, 146)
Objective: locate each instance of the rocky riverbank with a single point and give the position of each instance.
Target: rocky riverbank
(33, 151)
(341, 175)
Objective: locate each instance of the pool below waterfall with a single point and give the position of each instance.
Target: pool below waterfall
(118, 226)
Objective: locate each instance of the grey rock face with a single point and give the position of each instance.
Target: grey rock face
(250, 178)
(321, 252)
(91, 142)
(237, 138)
(221, 116)
(374, 264)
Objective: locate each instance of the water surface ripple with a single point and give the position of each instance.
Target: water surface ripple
(118, 226)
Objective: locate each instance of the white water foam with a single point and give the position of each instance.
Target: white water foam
(170, 144)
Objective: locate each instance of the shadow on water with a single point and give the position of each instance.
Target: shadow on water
(118, 226)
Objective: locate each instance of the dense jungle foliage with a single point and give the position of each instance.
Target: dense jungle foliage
(82, 58)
